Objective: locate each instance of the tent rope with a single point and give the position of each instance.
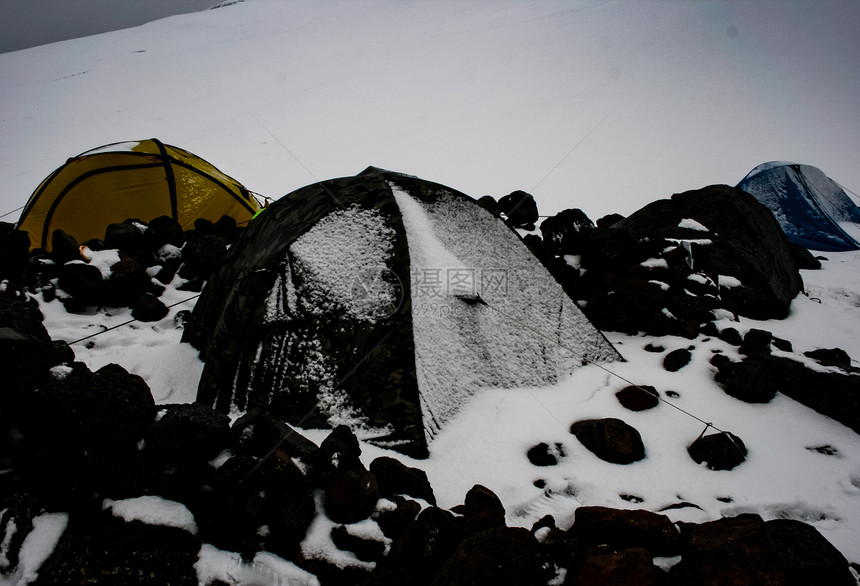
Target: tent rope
(587, 360)
(131, 321)
(9, 213)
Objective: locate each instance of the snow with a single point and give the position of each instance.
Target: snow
(341, 259)
(153, 510)
(37, 547)
(655, 263)
(729, 281)
(692, 224)
(318, 544)
(266, 568)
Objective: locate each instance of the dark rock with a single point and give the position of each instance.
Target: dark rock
(64, 248)
(95, 244)
(564, 554)
(751, 381)
(201, 255)
(338, 452)
(367, 550)
(499, 556)
(148, 307)
(289, 506)
(804, 556)
(677, 359)
(14, 253)
(226, 227)
(609, 220)
(203, 227)
(804, 258)
(783, 345)
(547, 522)
(80, 431)
(612, 251)
(163, 230)
(731, 336)
(351, 496)
(610, 439)
(638, 398)
(720, 451)
(536, 245)
(622, 528)
(101, 408)
(830, 356)
(746, 242)
(757, 379)
(26, 349)
(126, 237)
(489, 203)
(756, 342)
(482, 510)
(395, 522)
(607, 567)
(111, 551)
(563, 232)
(83, 282)
(248, 494)
(655, 348)
(189, 432)
(394, 477)
(418, 554)
(544, 455)
(746, 550)
(520, 208)
(258, 434)
(126, 282)
(680, 505)
(726, 551)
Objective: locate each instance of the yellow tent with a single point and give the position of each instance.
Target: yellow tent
(142, 180)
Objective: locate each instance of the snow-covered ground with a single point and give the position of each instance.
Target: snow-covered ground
(486, 443)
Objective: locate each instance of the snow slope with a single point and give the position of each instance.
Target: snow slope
(593, 104)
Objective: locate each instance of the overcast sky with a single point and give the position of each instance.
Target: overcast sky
(29, 23)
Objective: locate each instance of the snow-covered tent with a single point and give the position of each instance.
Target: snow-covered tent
(813, 210)
(384, 302)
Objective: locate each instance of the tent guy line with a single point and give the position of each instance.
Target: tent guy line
(563, 159)
(127, 322)
(297, 160)
(571, 151)
(585, 359)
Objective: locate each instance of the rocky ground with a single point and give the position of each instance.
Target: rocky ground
(74, 440)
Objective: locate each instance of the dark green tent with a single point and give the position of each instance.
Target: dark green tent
(384, 302)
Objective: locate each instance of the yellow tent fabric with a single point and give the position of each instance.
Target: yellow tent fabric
(143, 180)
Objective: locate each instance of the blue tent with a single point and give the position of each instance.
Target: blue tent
(813, 210)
